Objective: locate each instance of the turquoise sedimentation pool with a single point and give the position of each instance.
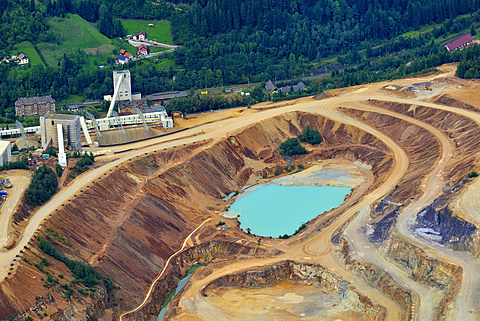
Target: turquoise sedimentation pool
(275, 210)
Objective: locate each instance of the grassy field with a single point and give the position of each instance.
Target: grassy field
(160, 32)
(28, 49)
(72, 99)
(74, 32)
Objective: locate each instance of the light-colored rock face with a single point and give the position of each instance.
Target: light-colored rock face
(287, 290)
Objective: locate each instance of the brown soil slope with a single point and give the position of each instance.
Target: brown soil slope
(461, 130)
(130, 221)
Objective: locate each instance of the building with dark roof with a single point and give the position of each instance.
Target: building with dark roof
(460, 42)
(299, 86)
(161, 97)
(122, 59)
(34, 106)
(270, 86)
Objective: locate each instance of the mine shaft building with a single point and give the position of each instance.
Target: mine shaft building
(125, 84)
(72, 130)
(34, 106)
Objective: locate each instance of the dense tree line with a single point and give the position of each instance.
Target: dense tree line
(368, 19)
(43, 185)
(199, 103)
(469, 66)
(19, 21)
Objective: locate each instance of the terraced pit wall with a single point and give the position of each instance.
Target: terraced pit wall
(129, 222)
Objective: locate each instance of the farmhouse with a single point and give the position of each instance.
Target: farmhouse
(34, 106)
(22, 59)
(121, 59)
(142, 50)
(270, 86)
(459, 43)
(142, 35)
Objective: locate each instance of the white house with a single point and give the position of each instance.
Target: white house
(22, 59)
(122, 59)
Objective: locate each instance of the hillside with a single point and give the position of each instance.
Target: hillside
(354, 42)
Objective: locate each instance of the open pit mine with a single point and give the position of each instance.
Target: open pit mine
(149, 230)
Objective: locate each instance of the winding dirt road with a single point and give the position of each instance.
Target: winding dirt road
(317, 248)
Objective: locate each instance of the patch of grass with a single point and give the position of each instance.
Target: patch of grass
(75, 32)
(160, 32)
(27, 48)
(91, 37)
(72, 99)
(163, 64)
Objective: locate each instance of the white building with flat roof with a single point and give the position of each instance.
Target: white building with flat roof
(5, 152)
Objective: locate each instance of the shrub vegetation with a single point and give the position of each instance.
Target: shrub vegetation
(44, 184)
(292, 147)
(310, 136)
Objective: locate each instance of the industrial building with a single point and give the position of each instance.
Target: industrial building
(124, 85)
(34, 106)
(71, 125)
(166, 96)
(5, 153)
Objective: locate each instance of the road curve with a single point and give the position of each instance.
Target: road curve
(370, 253)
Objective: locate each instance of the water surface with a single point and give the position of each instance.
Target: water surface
(274, 210)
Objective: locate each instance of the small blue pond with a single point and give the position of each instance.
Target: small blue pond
(274, 210)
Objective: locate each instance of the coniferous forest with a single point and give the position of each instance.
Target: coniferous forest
(225, 42)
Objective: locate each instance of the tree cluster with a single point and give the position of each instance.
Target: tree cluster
(198, 103)
(310, 136)
(80, 270)
(19, 21)
(292, 147)
(43, 185)
(82, 165)
(469, 66)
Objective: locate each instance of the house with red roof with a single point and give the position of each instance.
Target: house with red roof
(459, 43)
(142, 50)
